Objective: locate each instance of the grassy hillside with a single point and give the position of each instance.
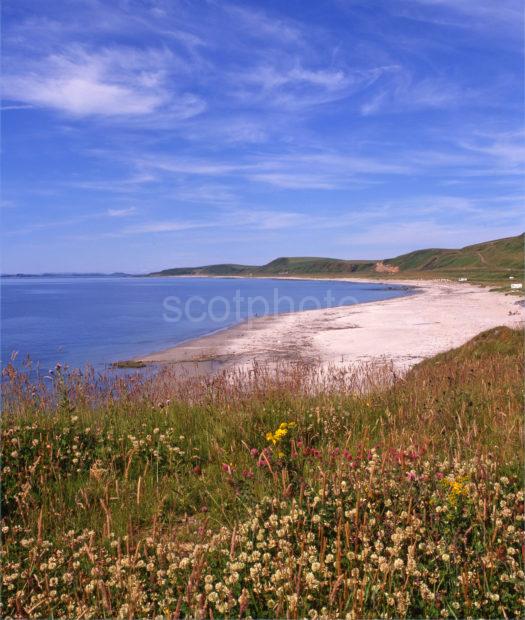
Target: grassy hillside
(226, 269)
(502, 254)
(492, 261)
(279, 266)
(269, 495)
(309, 265)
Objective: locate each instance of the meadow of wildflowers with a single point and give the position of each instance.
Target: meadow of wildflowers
(269, 494)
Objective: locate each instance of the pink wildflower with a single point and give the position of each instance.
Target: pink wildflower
(227, 469)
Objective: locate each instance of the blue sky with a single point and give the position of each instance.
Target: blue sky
(147, 134)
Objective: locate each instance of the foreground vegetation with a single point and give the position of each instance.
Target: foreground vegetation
(296, 494)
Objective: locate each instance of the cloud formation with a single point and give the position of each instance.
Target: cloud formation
(240, 131)
(111, 82)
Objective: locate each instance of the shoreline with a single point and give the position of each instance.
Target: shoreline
(437, 316)
(217, 350)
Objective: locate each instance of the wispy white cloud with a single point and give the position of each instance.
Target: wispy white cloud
(220, 178)
(508, 12)
(218, 120)
(7, 204)
(287, 85)
(501, 22)
(15, 106)
(401, 92)
(295, 180)
(237, 130)
(270, 78)
(190, 166)
(505, 148)
(477, 208)
(122, 212)
(233, 219)
(109, 82)
(164, 226)
(302, 170)
(320, 170)
(449, 219)
(258, 24)
(398, 237)
(128, 184)
(208, 193)
(267, 219)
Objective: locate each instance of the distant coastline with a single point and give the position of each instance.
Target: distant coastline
(67, 275)
(490, 261)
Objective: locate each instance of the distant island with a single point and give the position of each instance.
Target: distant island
(116, 274)
(485, 262)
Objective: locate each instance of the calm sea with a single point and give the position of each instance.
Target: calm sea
(96, 321)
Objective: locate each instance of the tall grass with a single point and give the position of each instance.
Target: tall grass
(272, 492)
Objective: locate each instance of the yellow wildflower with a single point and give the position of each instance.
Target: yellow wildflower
(271, 438)
(280, 433)
(457, 488)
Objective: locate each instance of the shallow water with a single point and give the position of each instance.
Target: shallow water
(96, 321)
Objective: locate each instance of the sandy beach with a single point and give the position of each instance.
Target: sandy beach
(439, 316)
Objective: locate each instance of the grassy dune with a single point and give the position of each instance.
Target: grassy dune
(342, 494)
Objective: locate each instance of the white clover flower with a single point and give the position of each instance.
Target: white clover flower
(213, 597)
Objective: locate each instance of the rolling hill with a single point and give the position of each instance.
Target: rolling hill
(488, 261)
(500, 254)
(279, 266)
